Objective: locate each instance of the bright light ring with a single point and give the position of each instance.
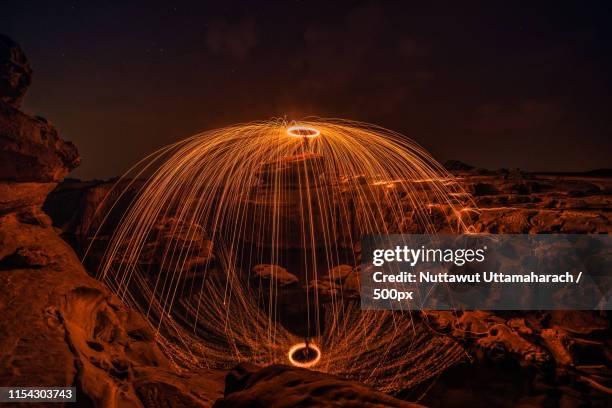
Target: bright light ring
(303, 131)
(305, 364)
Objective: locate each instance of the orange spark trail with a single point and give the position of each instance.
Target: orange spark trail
(293, 199)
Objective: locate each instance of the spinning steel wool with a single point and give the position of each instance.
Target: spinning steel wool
(281, 206)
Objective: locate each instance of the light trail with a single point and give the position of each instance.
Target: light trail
(263, 196)
(303, 131)
(308, 347)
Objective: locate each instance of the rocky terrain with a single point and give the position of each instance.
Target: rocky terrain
(285, 387)
(512, 358)
(60, 326)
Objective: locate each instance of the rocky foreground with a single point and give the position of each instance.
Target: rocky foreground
(531, 359)
(59, 326)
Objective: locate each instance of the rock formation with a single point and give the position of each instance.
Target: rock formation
(529, 358)
(60, 326)
(16, 74)
(30, 148)
(280, 275)
(548, 358)
(286, 387)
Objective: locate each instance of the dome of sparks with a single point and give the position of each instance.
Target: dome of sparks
(243, 244)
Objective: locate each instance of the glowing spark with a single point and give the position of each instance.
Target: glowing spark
(303, 131)
(304, 347)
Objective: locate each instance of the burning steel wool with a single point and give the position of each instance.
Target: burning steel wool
(283, 207)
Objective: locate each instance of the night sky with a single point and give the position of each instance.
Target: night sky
(505, 85)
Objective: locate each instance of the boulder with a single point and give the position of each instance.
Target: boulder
(325, 288)
(457, 166)
(339, 273)
(15, 72)
(283, 386)
(17, 197)
(31, 149)
(352, 284)
(61, 327)
(274, 273)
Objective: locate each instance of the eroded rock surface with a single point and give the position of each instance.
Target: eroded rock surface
(274, 274)
(60, 326)
(32, 155)
(286, 387)
(31, 149)
(538, 358)
(16, 74)
(548, 358)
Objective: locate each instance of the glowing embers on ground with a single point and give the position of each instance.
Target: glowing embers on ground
(305, 355)
(281, 214)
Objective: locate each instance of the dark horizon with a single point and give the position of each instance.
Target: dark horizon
(495, 86)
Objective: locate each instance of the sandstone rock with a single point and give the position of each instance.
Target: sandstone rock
(59, 326)
(171, 233)
(520, 325)
(568, 350)
(325, 288)
(554, 342)
(15, 72)
(31, 149)
(457, 166)
(557, 342)
(24, 258)
(502, 339)
(80, 207)
(339, 273)
(475, 323)
(16, 197)
(274, 273)
(352, 284)
(579, 322)
(284, 387)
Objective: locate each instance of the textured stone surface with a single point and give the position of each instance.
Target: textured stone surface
(522, 358)
(15, 74)
(15, 197)
(31, 149)
(275, 273)
(285, 387)
(548, 358)
(59, 326)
